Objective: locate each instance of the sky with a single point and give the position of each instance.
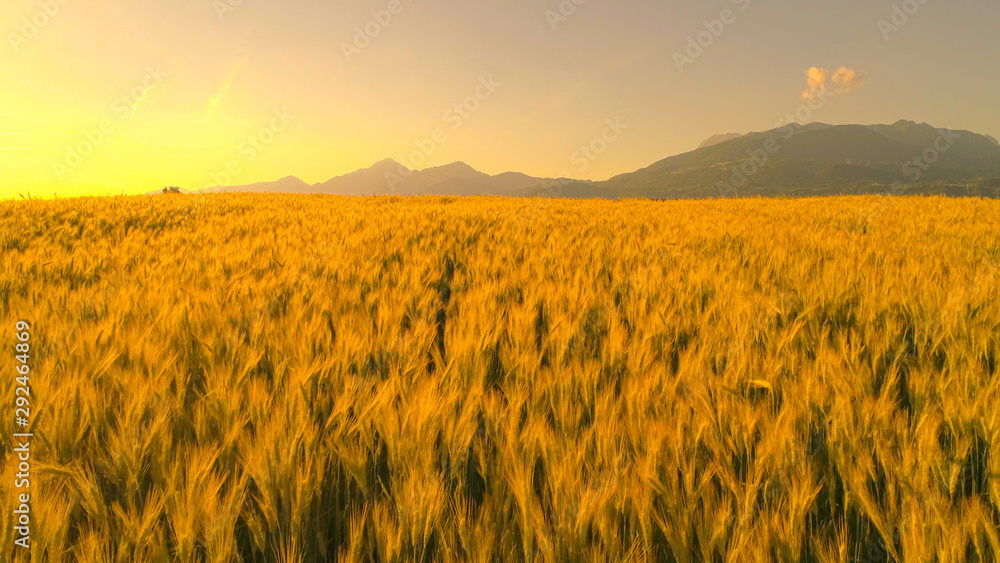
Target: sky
(109, 97)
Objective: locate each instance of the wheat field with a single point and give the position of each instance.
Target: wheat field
(316, 378)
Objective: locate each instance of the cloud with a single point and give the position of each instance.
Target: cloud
(815, 83)
(847, 80)
(844, 81)
(227, 83)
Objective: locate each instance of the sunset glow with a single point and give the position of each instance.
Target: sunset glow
(120, 97)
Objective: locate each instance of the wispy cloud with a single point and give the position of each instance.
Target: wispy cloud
(227, 84)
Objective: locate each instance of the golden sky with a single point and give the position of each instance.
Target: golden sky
(111, 96)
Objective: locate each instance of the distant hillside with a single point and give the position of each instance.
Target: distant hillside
(817, 159)
(287, 185)
(368, 181)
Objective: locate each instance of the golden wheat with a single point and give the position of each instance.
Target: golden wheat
(298, 378)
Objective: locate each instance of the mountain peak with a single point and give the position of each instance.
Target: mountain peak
(459, 169)
(906, 125)
(387, 163)
(455, 166)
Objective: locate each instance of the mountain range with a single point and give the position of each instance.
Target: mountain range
(389, 177)
(795, 160)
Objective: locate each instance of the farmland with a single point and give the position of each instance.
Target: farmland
(305, 378)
